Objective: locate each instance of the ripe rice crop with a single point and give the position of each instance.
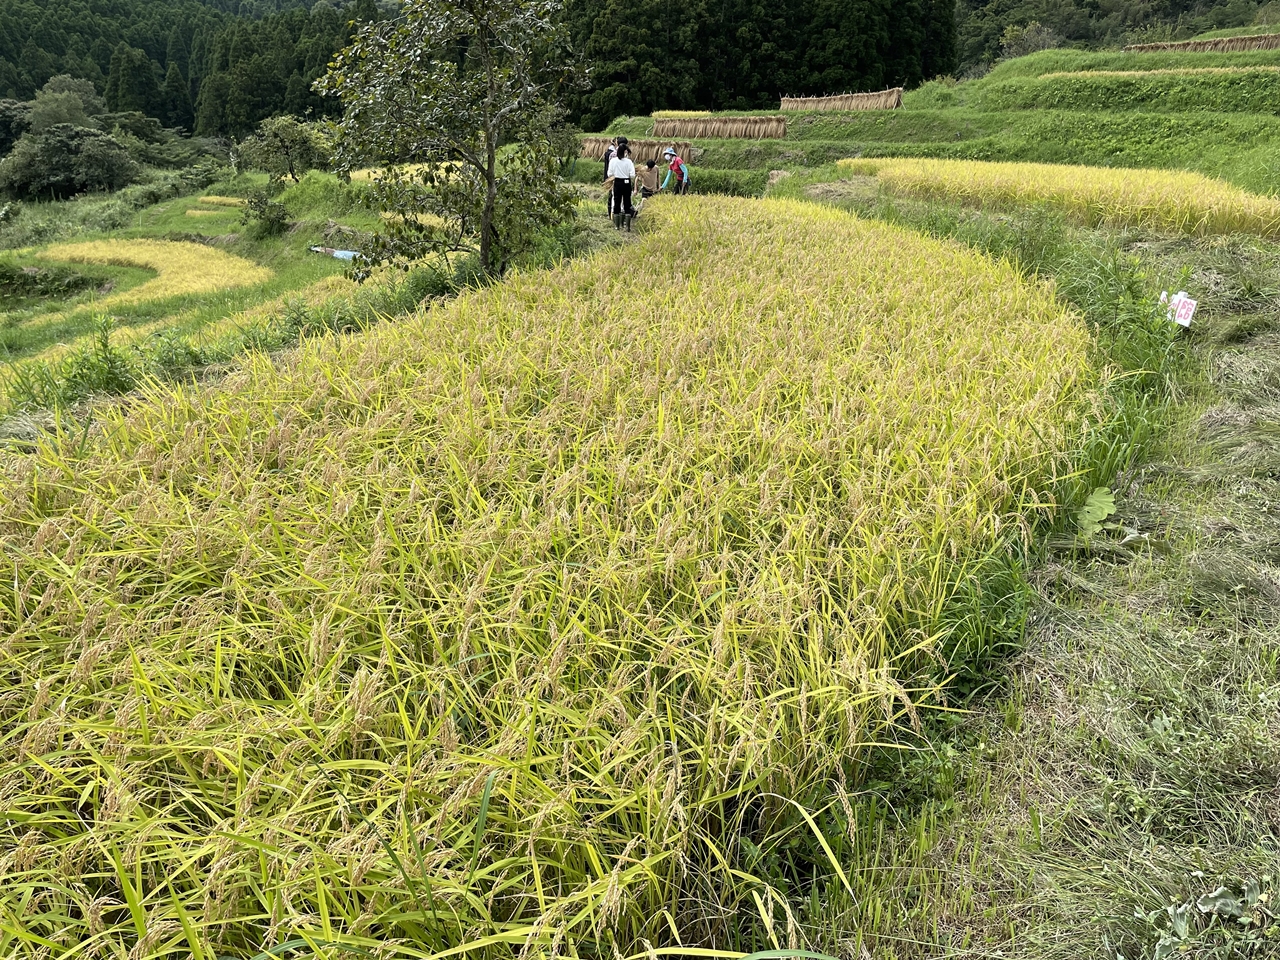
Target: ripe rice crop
(679, 114)
(890, 99)
(518, 625)
(196, 212)
(1267, 41)
(217, 201)
(1168, 200)
(181, 268)
(593, 148)
(1182, 72)
(735, 128)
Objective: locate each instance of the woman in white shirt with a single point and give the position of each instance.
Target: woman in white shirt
(623, 172)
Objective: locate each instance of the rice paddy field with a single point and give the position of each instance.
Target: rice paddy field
(865, 568)
(528, 617)
(1162, 200)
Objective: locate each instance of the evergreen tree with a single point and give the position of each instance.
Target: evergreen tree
(177, 99)
(211, 108)
(131, 82)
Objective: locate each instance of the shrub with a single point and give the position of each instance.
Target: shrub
(64, 161)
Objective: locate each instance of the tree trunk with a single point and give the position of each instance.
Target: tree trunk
(490, 203)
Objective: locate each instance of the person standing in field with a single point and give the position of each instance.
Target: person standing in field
(623, 172)
(610, 152)
(676, 168)
(648, 179)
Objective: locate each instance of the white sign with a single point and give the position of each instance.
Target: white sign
(1180, 306)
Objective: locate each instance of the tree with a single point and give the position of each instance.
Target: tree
(84, 91)
(467, 92)
(177, 100)
(64, 161)
(51, 109)
(131, 82)
(15, 120)
(284, 147)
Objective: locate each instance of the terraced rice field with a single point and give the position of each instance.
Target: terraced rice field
(1168, 200)
(526, 618)
(181, 268)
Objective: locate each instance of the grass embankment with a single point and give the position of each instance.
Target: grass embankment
(544, 616)
(1162, 200)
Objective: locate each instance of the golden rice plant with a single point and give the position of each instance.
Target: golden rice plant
(528, 624)
(197, 212)
(1169, 72)
(679, 114)
(1168, 200)
(181, 268)
(218, 201)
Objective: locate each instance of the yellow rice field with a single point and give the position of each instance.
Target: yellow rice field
(1168, 72)
(551, 600)
(196, 212)
(680, 114)
(181, 268)
(1168, 200)
(219, 201)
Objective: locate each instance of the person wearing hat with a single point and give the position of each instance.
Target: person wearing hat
(677, 168)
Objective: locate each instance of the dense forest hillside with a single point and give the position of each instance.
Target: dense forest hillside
(984, 25)
(218, 67)
(213, 66)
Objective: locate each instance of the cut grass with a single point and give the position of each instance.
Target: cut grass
(1166, 200)
(543, 617)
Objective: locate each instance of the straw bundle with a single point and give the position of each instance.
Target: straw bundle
(884, 100)
(593, 148)
(1267, 41)
(723, 128)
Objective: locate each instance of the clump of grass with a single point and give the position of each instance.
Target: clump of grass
(540, 621)
(1171, 200)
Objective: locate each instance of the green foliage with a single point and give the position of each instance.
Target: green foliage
(131, 82)
(64, 161)
(99, 368)
(732, 183)
(15, 120)
(475, 148)
(265, 216)
(285, 147)
(987, 27)
(741, 54)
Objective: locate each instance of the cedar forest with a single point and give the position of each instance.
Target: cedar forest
(219, 67)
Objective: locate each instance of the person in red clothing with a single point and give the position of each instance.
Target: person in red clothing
(678, 169)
